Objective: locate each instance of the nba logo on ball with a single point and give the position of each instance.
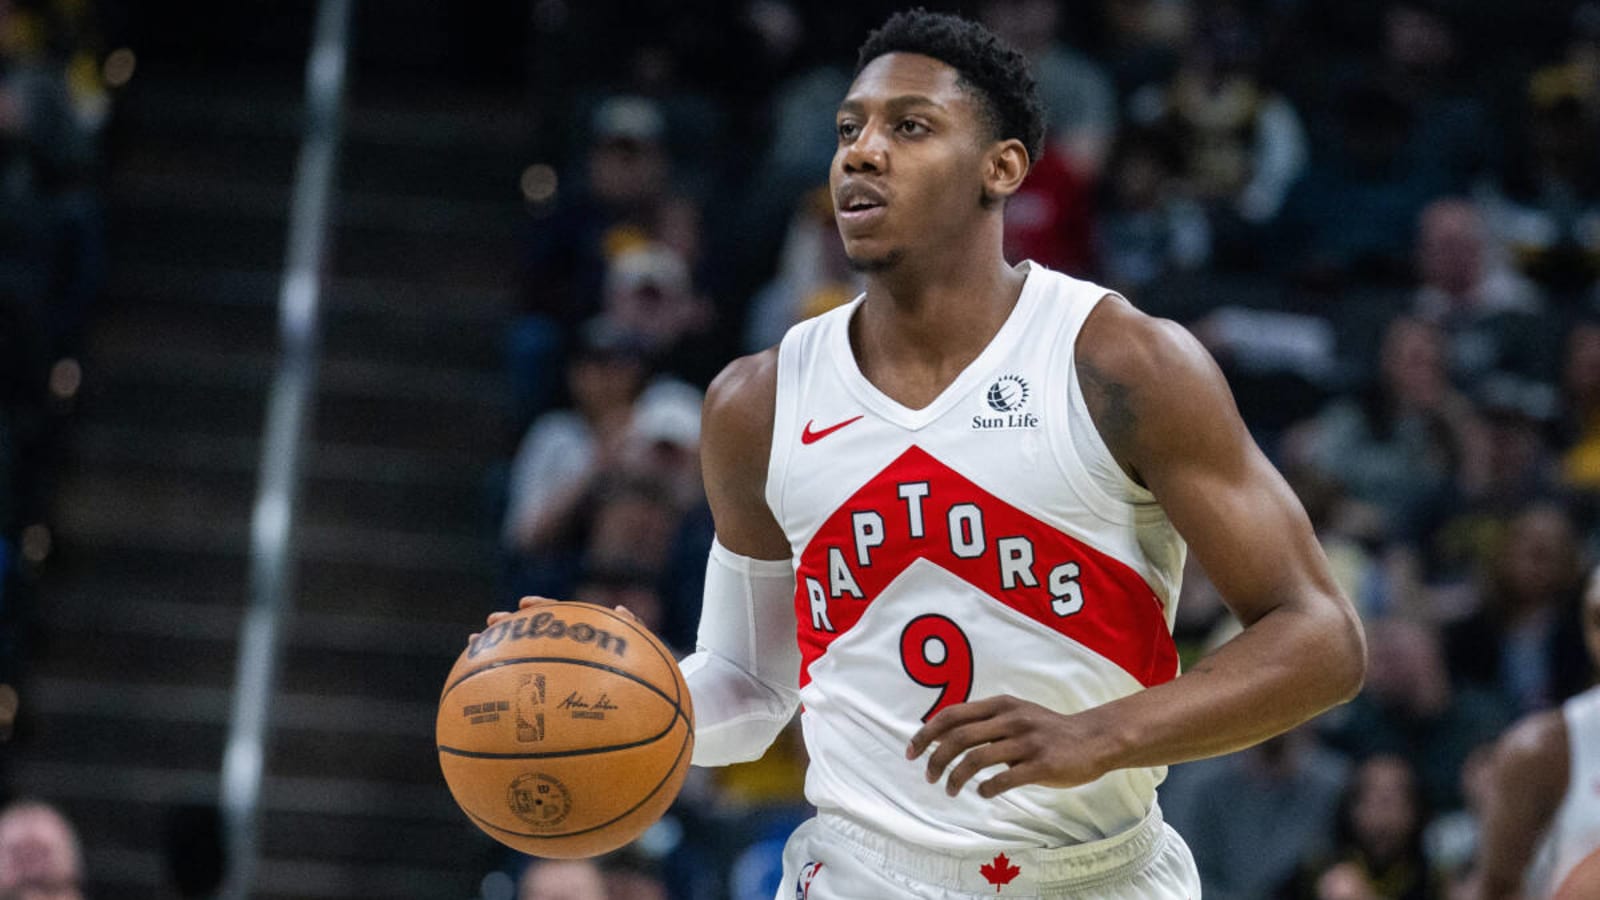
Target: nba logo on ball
(1008, 395)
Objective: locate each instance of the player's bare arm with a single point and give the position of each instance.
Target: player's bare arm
(1529, 775)
(1165, 411)
(735, 441)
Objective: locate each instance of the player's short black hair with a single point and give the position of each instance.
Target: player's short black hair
(997, 73)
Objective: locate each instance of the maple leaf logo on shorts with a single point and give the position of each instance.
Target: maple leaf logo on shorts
(999, 871)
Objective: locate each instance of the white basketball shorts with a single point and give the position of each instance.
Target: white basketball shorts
(830, 857)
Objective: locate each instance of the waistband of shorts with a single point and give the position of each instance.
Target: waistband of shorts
(1076, 866)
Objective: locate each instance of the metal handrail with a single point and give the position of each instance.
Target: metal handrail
(284, 439)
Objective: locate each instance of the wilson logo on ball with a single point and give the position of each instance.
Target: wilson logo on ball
(539, 800)
(546, 625)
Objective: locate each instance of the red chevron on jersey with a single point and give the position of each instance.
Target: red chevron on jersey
(919, 508)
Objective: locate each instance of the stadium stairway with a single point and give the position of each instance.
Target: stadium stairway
(127, 707)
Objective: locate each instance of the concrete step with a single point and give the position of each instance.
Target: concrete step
(362, 667)
(207, 455)
(355, 404)
(445, 305)
(208, 194)
(109, 566)
(161, 489)
(118, 739)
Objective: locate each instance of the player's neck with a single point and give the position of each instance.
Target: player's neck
(921, 326)
(948, 306)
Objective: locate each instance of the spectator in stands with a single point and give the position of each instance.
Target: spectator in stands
(1379, 854)
(1490, 314)
(562, 879)
(1517, 641)
(1280, 799)
(1451, 839)
(1148, 228)
(564, 451)
(813, 276)
(1079, 98)
(1242, 145)
(47, 213)
(1399, 443)
(1409, 708)
(1580, 383)
(1514, 467)
(632, 875)
(1353, 214)
(1546, 206)
(569, 241)
(649, 293)
(1422, 65)
(39, 854)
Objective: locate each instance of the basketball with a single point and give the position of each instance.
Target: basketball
(565, 731)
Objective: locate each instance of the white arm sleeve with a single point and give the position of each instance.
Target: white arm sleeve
(745, 671)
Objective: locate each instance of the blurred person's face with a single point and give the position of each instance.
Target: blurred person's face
(1024, 24)
(575, 879)
(1139, 181)
(636, 886)
(38, 857)
(908, 174)
(1412, 363)
(634, 530)
(1450, 246)
(1384, 813)
(627, 173)
(1581, 374)
(603, 382)
(1406, 668)
(659, 313)
(1416, 39)
(1540, 555)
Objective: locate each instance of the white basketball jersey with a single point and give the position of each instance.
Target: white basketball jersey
(985, 544)
(1574, 835)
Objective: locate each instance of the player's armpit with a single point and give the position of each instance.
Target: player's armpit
(1529, 778)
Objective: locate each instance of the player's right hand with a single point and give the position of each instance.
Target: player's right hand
(495, 618)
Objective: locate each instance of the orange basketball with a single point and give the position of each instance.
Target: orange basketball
(565, 731)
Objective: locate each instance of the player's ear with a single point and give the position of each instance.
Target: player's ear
(1004, 169)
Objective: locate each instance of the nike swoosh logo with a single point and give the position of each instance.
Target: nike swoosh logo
(807, 436)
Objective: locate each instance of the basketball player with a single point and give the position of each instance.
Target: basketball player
(1541, 830)
(951, 517)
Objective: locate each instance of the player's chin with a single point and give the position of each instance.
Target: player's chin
(872, 259)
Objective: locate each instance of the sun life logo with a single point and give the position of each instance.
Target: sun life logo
(1007, 396)
(1009, 393)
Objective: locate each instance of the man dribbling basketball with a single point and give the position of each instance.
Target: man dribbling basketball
(952, 515)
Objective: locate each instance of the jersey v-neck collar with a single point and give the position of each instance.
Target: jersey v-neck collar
(891, 410)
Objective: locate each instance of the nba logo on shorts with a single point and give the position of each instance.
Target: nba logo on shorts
(808, 873)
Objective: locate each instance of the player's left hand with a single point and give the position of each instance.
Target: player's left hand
(1037, 745)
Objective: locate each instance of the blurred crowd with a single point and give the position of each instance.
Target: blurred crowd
(56, 81)
(1383, 219)
(1381, 216)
